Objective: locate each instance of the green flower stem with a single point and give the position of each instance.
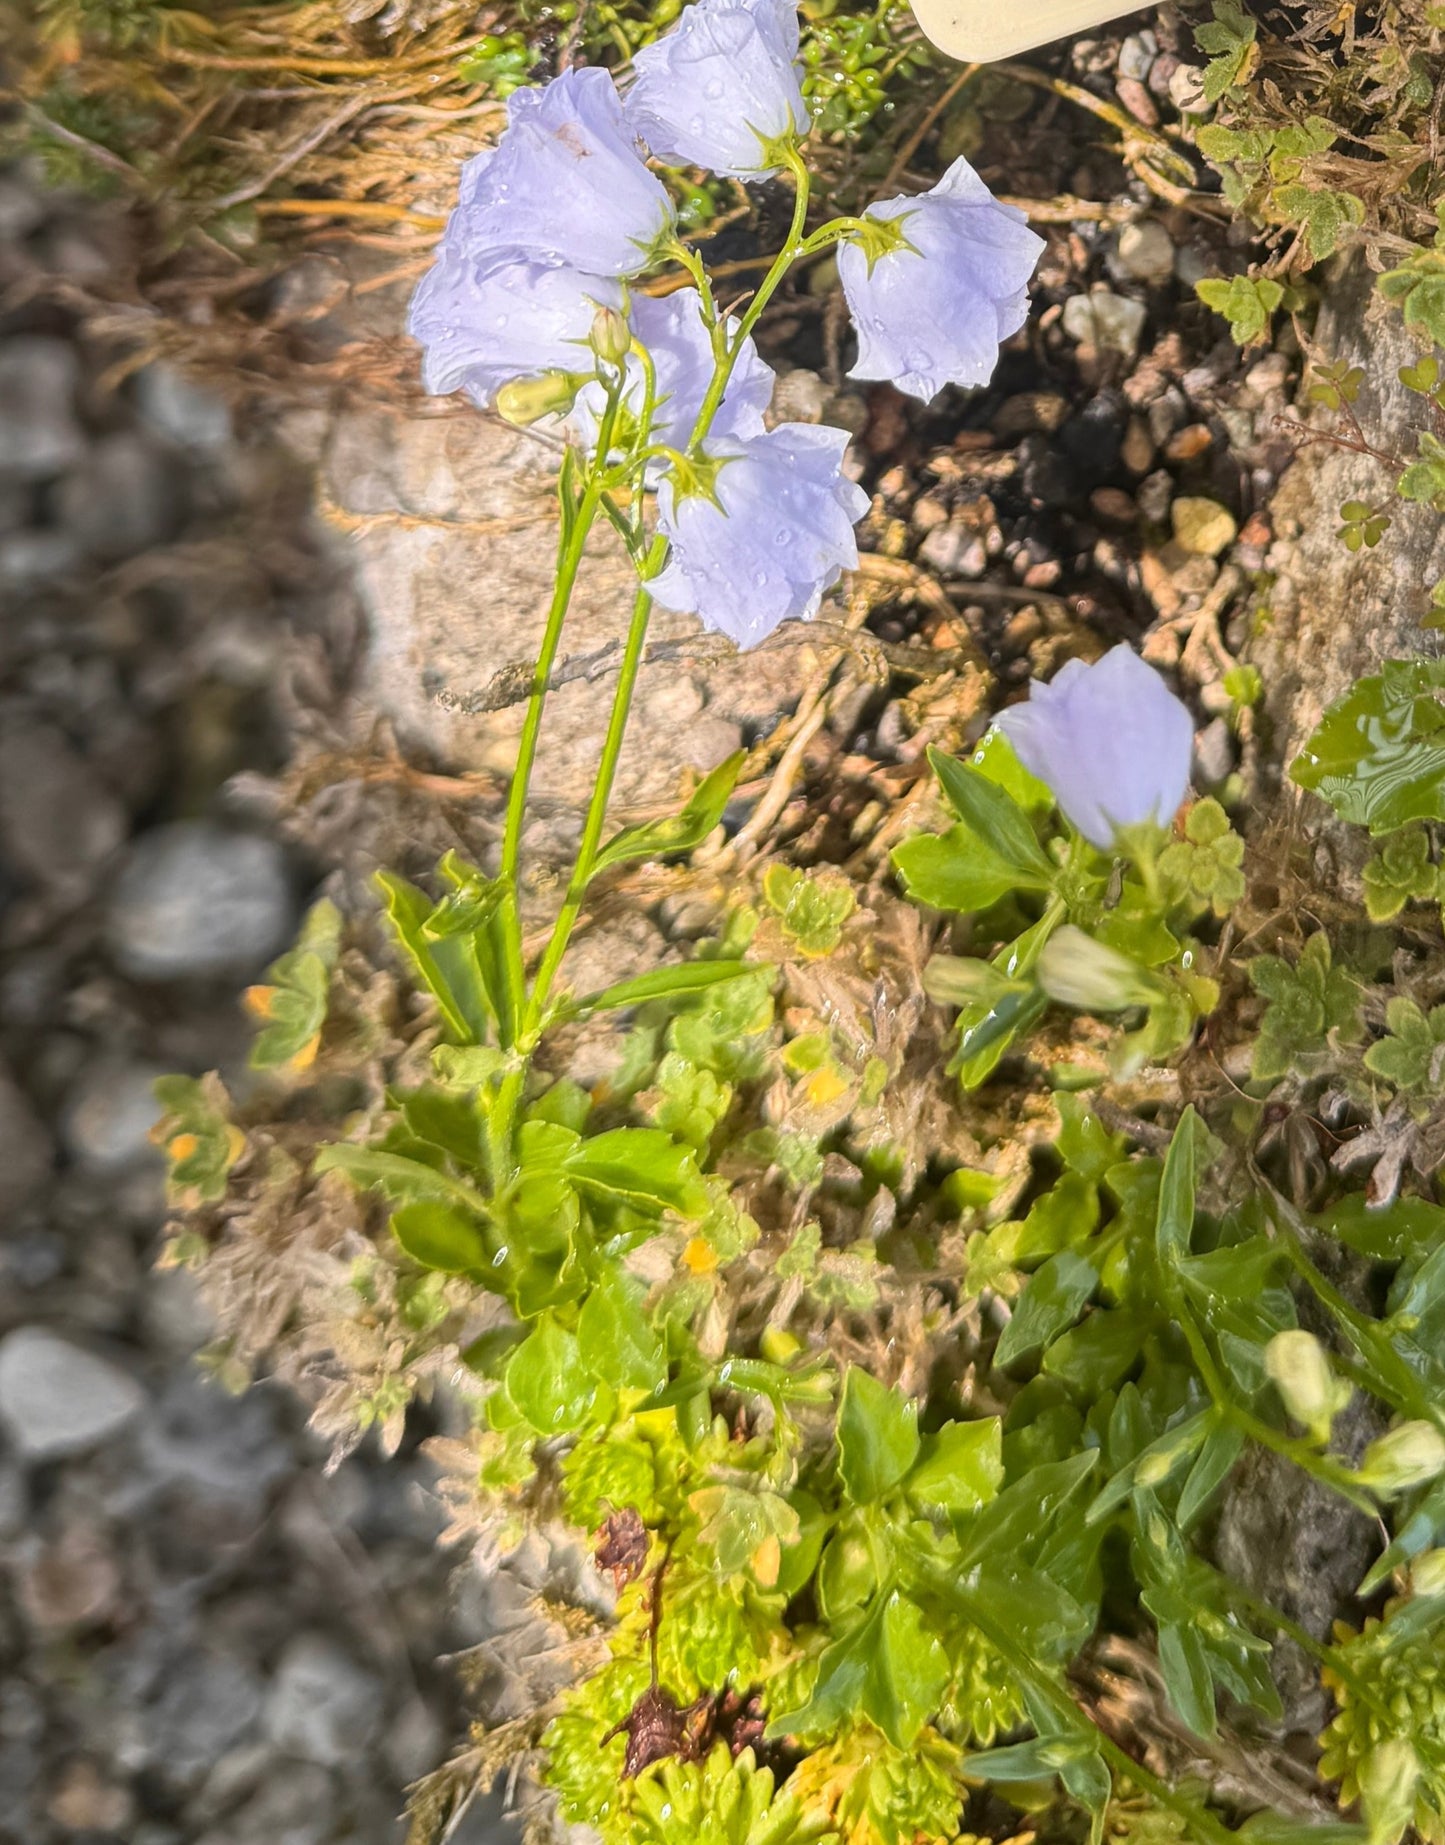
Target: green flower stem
(601, 794)
(767, 288)
(577, 522)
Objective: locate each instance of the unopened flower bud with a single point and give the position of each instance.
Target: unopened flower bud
(527, 400)
(611, 337)
(1407, 1456)
(1300, 1372)
(1427, 1576)
(1078, 971)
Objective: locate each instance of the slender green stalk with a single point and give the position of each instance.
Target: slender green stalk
(601, 794)
(577, 525)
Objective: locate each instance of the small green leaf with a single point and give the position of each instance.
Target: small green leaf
(448, 968)
(662, 983)
(441, 1236)
(547, 1380)
(812, 907)
(960, 1468)
(1174, 1231)
(890, 1669)
(1053, 1300)
(682, 832)
(996, 818)
(649, 1169)
(1247, 303)
(615, 1337)
(1211, 1468)
(954, 871)
(402, 1180)
(877, 1437)
(1187, 1678)
(293, 1002)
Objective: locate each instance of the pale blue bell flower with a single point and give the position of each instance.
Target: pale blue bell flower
(934, 309)
(721, 86)
(483, 323)
(777, 535)
(566, 184)
(673, 331)
(1112, 742)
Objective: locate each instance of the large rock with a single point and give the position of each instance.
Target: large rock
(451, 520)
(1336, 614)
(57, 1399)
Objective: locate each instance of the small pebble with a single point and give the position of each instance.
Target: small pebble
(1114, 506)
(1213, 754)
(39, 434)
(1146, 251)
(1202, 527)
(196, 901)
(322, 1706)
(1137, 449)
(1111, 322)
(1189, 443)
(1137, 55)
(1137, 100)
(1030, 413)
(57, 1399)
(1153, 496)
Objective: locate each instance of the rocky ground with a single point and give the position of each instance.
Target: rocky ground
(203, 1636)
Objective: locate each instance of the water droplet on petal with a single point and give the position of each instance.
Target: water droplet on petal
(919, 362)
(714, 89)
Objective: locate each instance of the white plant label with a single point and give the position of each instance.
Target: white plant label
(979, 31)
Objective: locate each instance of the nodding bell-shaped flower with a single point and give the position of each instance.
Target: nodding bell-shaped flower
(675, 335)
(566, 184)
(937, 283)
(1112, 742)
(759, 530)
(721, 90)
(483, 324)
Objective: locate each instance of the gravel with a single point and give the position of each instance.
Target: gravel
(40, 435)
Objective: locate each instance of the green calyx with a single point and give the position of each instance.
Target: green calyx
(695, 476)
(880, 237)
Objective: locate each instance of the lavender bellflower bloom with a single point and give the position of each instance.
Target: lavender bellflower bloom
(1112, 742)
(672, 330)
(484, 322)
(566, 184)
(773, 535)
(722, 86)
(933, 309)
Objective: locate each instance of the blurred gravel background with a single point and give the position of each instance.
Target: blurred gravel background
(202, 1637)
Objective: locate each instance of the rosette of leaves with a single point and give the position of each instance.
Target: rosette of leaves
(1313, 1006)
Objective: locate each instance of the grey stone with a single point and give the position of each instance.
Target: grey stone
(28, 559)
(58, 820)
(25, 1149)
(20, 209)
(180, 409)
(322, 1706)
(121, 499)
(954, 550)
(1213, 754)
(208, 1704)
(39, 434)
(109, 1115)
(1146, 251)
(57, 1399)
(196, 900)
(1111, 322)
(1137, 55)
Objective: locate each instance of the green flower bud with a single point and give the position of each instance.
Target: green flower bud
(1077, 971)
(1310, 1391)
(1427, 1576)
(611, 337)
(1407, 1456)
(527, 400)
